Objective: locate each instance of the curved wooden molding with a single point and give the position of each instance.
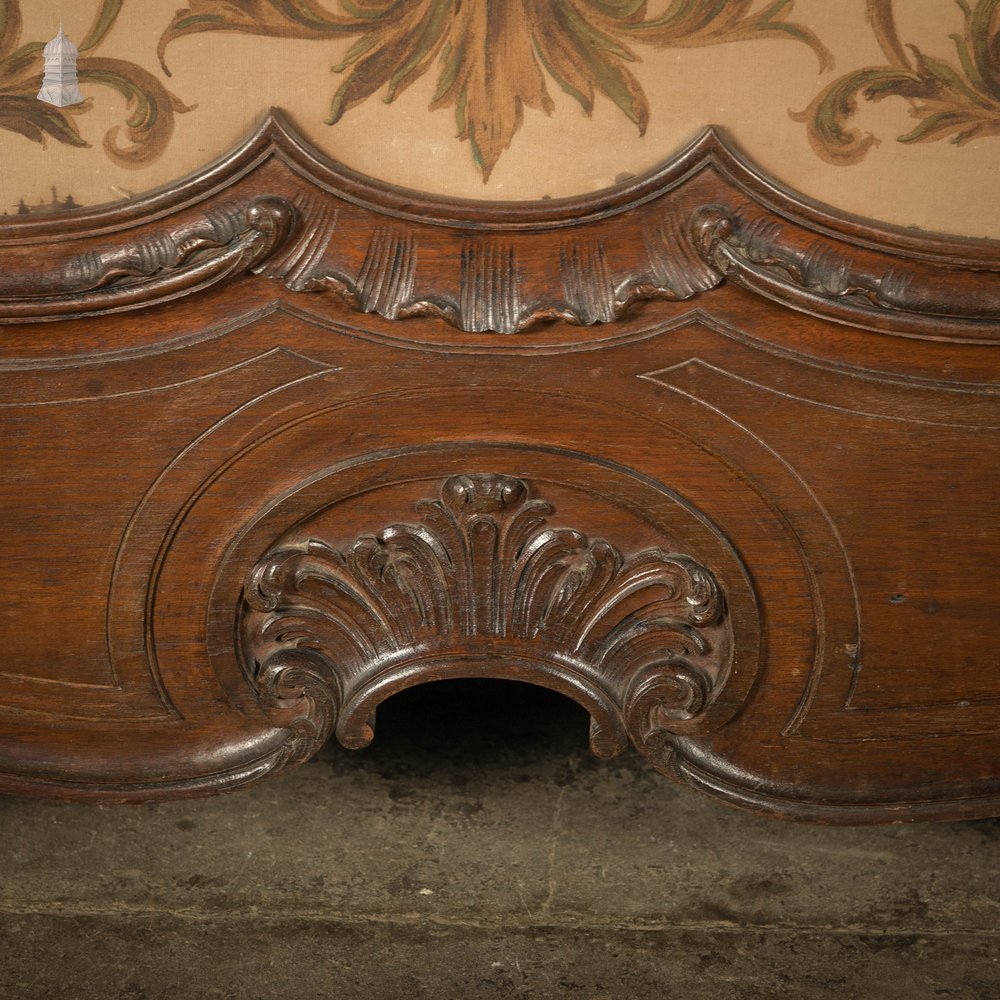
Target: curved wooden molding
(155, 268)
(760, 253)
(483, 584)
(277, 207)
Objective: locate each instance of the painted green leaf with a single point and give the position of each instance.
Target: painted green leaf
(270, 18)
(10, 26)
(493, 56)
(36, 121)
(983, 33)
(106, 16)
(693, 23)
(957, 101)
(829, 113)
(151, 106)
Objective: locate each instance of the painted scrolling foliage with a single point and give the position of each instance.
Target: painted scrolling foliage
(490, 61)
(494, 60)
(151, 107)
(959, 100)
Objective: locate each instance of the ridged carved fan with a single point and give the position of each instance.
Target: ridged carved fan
(644, 637)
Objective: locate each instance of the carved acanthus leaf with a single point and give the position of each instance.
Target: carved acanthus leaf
(642, 641)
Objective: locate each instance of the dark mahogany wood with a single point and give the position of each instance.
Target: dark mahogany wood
(716, 462)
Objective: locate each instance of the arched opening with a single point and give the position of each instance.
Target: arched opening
(480, 719)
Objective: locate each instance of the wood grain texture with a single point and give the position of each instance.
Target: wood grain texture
(280, 441)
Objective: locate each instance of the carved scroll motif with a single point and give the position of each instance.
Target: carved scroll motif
(759, 254)
(642, 641)
(229, 240)
(304, 224)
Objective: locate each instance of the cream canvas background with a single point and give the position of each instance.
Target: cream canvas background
(747, 87)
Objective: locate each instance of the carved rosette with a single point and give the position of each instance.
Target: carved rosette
(483, 586)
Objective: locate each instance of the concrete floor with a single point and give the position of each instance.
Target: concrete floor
(493, 858)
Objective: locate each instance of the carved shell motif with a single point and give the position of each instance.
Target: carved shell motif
(327, 633)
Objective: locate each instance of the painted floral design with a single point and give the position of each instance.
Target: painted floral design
(959, 100)
(151, 106)
(493, 60)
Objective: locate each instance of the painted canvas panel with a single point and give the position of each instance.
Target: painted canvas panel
(886, 109)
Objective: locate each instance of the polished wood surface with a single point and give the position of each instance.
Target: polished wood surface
(719, 464)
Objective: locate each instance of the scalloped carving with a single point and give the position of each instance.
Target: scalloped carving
(706, 217)
(642, 641)
(490, 293)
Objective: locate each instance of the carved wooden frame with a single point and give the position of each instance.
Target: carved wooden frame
(717, 307)
(755, 233)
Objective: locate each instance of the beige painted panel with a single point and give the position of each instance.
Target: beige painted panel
(750, 86)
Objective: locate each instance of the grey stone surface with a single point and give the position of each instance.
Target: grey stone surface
(488, 857)
(164, 958)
